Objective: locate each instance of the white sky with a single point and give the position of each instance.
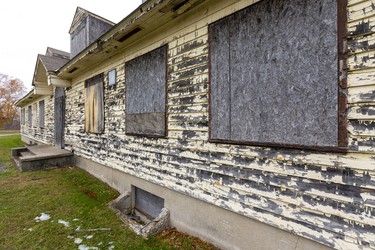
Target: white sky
(28, 27)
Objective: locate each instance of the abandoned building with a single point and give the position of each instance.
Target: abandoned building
(252, 121)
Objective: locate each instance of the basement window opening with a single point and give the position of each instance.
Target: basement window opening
(147, 203)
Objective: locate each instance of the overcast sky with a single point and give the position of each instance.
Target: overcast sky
(28, 27)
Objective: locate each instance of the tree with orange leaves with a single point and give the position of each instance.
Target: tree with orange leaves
(11, 89)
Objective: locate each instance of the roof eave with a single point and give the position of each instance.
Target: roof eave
(24, 100)
(131, 21)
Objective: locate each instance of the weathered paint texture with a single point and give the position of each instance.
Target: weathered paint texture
(325, 197)
(43, 134)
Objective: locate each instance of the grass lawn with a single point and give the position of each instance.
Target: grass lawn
(76, 204)
(6, 132)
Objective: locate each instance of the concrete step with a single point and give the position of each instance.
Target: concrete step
(38, 157)
(26, 153)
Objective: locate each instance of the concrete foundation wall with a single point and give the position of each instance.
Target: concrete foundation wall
(224, 228)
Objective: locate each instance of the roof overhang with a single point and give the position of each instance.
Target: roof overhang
(40, 79)
(27, 99)
(147, 18)
(43, 85)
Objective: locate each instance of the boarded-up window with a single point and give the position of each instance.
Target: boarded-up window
(29, 115)
(274, 74)
(41, 114)
(23, 116)
(94, 105)
(35, 117)
(145, 93)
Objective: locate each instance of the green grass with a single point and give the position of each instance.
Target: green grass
(72, 195)
(6, 143)
(6, 132)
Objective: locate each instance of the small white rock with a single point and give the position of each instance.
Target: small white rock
(42, 217)
(78, 240)
(65, 223)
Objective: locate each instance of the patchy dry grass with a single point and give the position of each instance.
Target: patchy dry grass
(68, 195)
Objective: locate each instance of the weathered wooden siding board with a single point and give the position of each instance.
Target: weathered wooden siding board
(326, 197)
(362, 60)
(361, 94)
(361, 44)
(361, 27)
(360, 10)
(364, 112)
(364, 128)
(361, 78)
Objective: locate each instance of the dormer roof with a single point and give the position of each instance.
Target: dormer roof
(50, 62)
(81, 15)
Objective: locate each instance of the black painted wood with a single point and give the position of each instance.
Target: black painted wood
(274, 75)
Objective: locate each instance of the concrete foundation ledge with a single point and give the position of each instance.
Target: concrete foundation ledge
(223, 228)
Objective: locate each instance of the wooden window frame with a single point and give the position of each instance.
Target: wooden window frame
(89, 115)
(342, 126)
(129, 115)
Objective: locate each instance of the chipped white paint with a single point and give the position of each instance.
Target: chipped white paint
(326, 197)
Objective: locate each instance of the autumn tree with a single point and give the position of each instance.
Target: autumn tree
(11, 90)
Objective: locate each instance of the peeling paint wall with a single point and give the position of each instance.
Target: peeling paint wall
(326, 197)
(35, 132)
(361, 74)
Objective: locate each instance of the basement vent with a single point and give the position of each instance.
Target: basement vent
(72, 70)
(147, 203)
(129, 34)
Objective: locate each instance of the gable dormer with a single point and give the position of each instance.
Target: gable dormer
(51, 52)
(85, 29)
